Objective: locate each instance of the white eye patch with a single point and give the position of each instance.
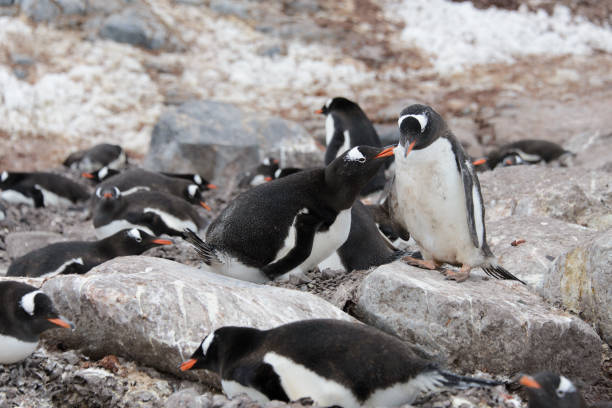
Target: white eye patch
(4, 176)
(328, 103)
(355, 155)
(421, 118)
(266, 161)
(134, 233)
(27, 302)
(103, 173)
(197, 179)
(206, 343)
(99, 192)
(565, 386)
(192, 189)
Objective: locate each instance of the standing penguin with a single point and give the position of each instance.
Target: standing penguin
(289, 224)
(39, 189)
(151, 211)
(346, 126)
(25, 312)
(100, 155)
(81, 256)
(550, 390)
(333, 362)
(436, 196)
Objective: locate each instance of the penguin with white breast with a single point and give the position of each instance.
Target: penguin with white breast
(333, 362)
(25, 312)
(263, 173)
(80, 256)
(346, 126)
(436, 196)
(194, 178)
(528, 151)
(39, 189)
(154, 212)
(290, 224)
(104, 154)
(550, 390)
(137, 180)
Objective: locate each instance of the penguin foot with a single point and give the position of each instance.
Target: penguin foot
(460, 276)
(429, 264)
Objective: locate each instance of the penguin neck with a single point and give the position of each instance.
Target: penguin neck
(339, 193)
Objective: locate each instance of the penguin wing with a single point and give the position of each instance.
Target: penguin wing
(335, 144)
(148, 219)
(473, 200)
(262, 377)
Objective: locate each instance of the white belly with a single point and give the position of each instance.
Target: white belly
(53, 200)
(15, 197)
(235, 269)
(115, 226)
(432, 205)
(13, 350)
(173, 222)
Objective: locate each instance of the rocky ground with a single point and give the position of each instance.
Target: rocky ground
(156, 76)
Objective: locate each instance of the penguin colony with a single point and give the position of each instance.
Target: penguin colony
(431, 193)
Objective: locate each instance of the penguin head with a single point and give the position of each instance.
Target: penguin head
(202, 183)
(338, 104)
(36, 311)
(207, 355)
(512, 160)
(100, 174)
(547, 389)
(108, 193)
(135, 241)
(193, 194)
(419, 127)
(266, 169)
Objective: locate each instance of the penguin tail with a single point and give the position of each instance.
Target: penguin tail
(500, 272)
(206, 250)
(451, 380)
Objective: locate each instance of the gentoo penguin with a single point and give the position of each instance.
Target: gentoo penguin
(262, 173)
(154, 212)
(25, 312)
(346, 126)
(529, 151)
(436, 196)
(40, 189)
(290, 224)
(106, 172)
(98, 156)
(549, 390)
(333, 362)
(134, 180)
(81, 256)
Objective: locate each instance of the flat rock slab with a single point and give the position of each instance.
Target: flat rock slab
(545, 240)
(490, 325)
(575, 195)
(21, 242)
(581, 281)
(157, 312)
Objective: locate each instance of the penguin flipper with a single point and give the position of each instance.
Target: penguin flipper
(500, 272)
(206, 250)
(306, 226)
(458, 381)
(473, 201)
(263, 378)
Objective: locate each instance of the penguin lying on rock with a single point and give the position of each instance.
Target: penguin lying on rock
(435, 196)
(38, 189)
(290, 224)
(25, 312)
(333, 362)
(529, 151)
(100, 155)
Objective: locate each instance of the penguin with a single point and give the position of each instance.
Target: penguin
(106, 172)
(346, 126)
(81, 256)
(333, 362)
(39, 189)
(134, 180)
(529, 151)
(290, 224)
(435, 195)
(153, 212)
(2, 212)
(550, 390)
(100, 174)
(264, 172)
(104, 154)
(25, 312)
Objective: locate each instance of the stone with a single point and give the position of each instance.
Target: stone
(135, 26)
(156, 312)
(73, 7)
(592, 150)
(220, 141)
(545, 240)
(22, 242)
(6, 2)
(188, 398)
(580, 281)
(495, 326)
(40, 10)
(575, 194)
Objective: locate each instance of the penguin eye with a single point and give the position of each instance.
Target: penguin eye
(560, 393)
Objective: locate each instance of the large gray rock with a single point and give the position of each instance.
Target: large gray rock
(21, 242)
(545, 240)
(40, 10)
(136, 26)
(494, 326)
(219, 141)
(581, 281)
(156, 311)
(575, 194)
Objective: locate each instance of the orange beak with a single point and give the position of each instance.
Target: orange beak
(508, 162)
(107, 195)
(409, 149)
(61, 323)
(268, 178)
(188, 364)
(162, 242)
(203, 204)
(87, 175)
(529, 382)
(319, 111)
(275, 161)
(479, 162)
(211, 186)
(385, 153)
